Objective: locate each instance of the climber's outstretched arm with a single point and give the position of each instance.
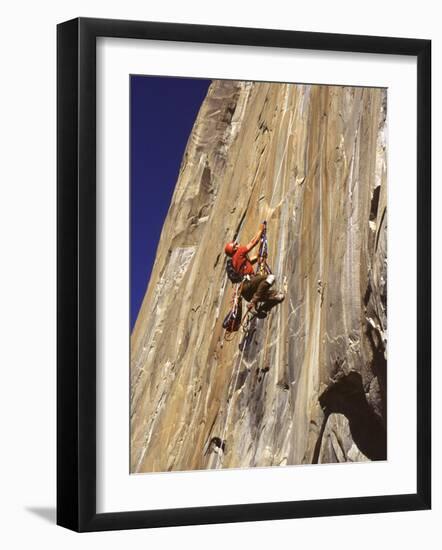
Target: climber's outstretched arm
(255, 239)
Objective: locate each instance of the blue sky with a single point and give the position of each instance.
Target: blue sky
(163, 110)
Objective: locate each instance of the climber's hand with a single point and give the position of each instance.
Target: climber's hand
(256, 238)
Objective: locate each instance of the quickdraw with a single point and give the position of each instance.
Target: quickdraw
(262, 267)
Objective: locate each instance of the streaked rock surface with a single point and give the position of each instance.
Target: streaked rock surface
(311, 386)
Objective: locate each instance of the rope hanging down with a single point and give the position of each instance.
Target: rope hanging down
(230, 397)
(234, 318)
(232, 323)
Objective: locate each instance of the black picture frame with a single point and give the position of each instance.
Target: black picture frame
(76, 274)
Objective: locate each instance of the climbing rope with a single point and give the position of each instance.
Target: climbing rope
(233, 320)
(229, 404)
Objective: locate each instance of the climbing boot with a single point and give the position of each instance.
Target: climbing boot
(278, 297)
(260, 312)
(257, 311)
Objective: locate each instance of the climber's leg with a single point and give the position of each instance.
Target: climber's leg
(269, 297)
(262, 291)
(250, 287)
(274, 300)
(261, 287)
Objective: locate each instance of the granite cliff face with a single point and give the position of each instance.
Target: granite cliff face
(311, 385)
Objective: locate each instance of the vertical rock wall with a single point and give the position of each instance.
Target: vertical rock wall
(311, 384)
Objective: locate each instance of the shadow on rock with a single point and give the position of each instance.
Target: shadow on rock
(347, 397)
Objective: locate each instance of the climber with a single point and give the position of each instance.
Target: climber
(255, 288)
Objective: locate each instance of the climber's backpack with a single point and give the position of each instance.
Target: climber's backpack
(232, 274)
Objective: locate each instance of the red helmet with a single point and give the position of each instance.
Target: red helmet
(229, 249)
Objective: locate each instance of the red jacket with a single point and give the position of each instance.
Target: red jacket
(241, 262)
